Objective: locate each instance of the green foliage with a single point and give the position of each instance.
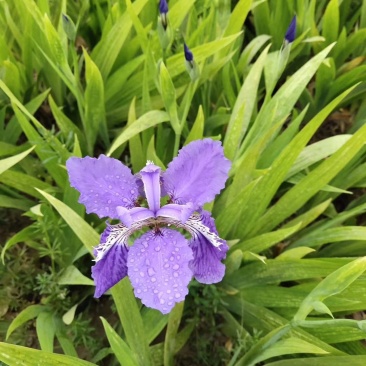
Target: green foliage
(85, 78)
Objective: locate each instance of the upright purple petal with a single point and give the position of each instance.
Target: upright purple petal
(103, 183)
(188, 55)
(206, 264)
(163, 7)
(158, 268)
(150, 176)
(110, 269)
(198, 173)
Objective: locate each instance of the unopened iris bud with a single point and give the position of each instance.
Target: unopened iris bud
(69, 27)
(291, 31)
(191, 65)
(163, 9)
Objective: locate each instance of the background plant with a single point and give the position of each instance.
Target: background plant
(93, 77)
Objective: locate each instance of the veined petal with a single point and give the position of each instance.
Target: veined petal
(150, 176)
(207, 254)
(111, 258)
(198, 173)
(103, 183)
(158, 268)
(176, 212)
(133, 215)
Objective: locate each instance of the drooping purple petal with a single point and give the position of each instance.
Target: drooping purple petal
(110, 269)
(150, 176)
(158, 268)
(206, 264)
(198, 173)
(103, 183)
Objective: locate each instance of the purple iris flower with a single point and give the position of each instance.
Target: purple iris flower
(163, 260)
(291, 31)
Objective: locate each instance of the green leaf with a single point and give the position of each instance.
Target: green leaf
(333, 284)
(131, 320)
(25, 315)
(149, 119)
(69, 316)
(175, 317)
(169, 98)
(72, 276)
(243, 108)
(23, 356)
(196, 132)
(7, 163)
(331, 22)
(323, 361)
(120, 349)
(295, 253)
(95, 119)
(88, 236)
(45, 327)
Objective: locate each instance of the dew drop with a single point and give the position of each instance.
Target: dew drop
(150, 271)
(166, 265)
(110, 187)
(157, 249)
(125, 200)
(132, 191)
(132, 260)
(162, 301)
(138, 291)
(170, 303)
(147, 262)
(175, 285)
(145, 289)
(109, 201)
(168, 291)
(142, 274)
(175, 274)
(176, 266)
(155, 291)
(142, 250)
(177, 295)
(160, 294)
(178, 256)
(171, 258)
(153, 279)
(136, 269)
(117, 176)
(170, 297)
(177, 249)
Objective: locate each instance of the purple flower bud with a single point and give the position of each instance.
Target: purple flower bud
(163, 7)
(291, 31)
(188, 53)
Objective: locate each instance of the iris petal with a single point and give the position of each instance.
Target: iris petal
(197, 174)
(158, 268)
(110, 269)
(206, 265)
(103, 183)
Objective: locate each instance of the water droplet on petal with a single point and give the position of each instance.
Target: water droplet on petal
(166, 265)
(162, 301)
(110, 187)
(125, 200)
(175, 274)
(138, 291)
(178, 256)
(157, 249)
(132, 191)
(170, 303)
(109, 202)
(168, 291)
(155, 291)
(160, 294)
(171, 258)
(150, 271)
(176, 266)
(147, 262)
(177, 249)
(142, 274)
(142, 250)
(177, 295)
(153, 279)
(132, 260)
